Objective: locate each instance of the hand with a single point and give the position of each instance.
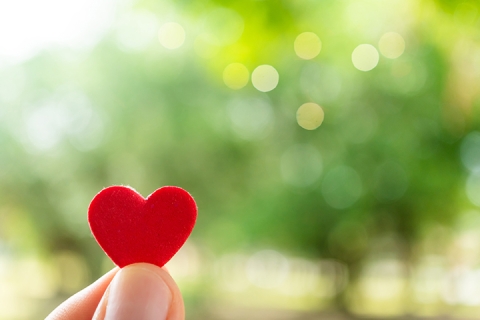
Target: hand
(139, 291)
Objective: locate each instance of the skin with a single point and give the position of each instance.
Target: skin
(139, 291)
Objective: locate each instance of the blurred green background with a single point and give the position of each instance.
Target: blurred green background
(331, 146)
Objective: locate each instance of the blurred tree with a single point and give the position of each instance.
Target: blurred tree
(385, 162)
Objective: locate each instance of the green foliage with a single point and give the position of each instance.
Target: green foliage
(165, 119)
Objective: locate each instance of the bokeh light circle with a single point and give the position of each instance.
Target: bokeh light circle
(472, 189)
(251, 118)
(265, 78)
(136, 31)
(171, 35)
(310, 116)
(267, 269)
(365, 57)
(307, 45)
(391, 45)
(341, 187)
(236, 76)
(301, 165)
(320, 82)
(470, 152)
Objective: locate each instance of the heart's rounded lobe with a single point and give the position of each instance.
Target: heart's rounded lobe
(131, 229)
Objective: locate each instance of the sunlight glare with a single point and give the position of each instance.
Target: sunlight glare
(391, 45)
(265, 78)
(235, 76)
(365, 57)
(29, 26)
(307, 45)
(310, 116)
(171, 35)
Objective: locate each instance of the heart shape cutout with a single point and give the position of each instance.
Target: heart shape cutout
(131, 229)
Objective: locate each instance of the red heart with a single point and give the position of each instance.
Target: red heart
(132, 229)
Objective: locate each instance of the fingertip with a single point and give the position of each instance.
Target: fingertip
(142, 291)
(177, 308)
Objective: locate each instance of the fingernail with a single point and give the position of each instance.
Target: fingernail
(138, 292)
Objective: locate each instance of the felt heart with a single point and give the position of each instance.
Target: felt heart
(132, 229)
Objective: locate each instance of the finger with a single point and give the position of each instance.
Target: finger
(82, 305)
(177, 307)
(141, 291)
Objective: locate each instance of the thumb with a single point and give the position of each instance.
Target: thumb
(141, 291)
